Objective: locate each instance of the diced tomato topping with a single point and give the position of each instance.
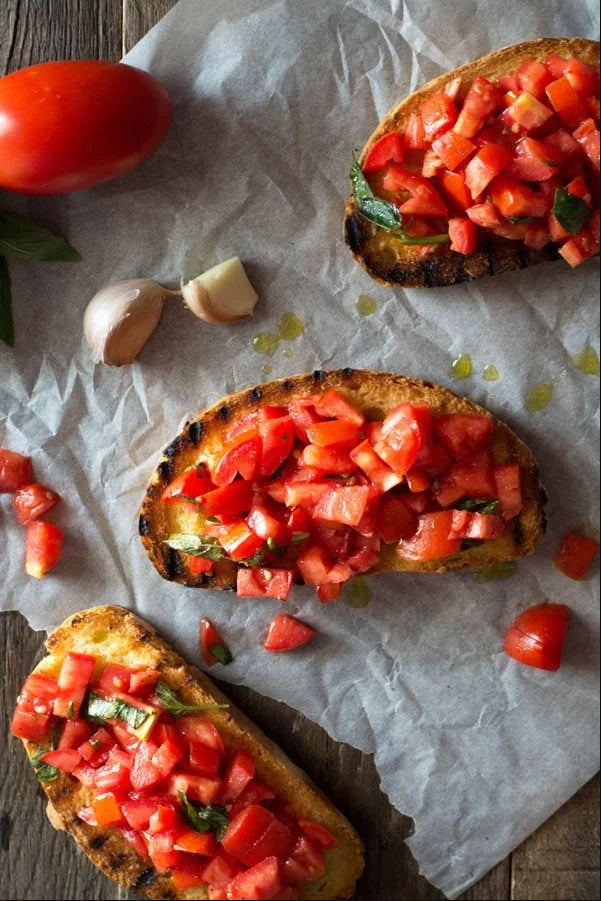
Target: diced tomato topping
(33, 500)
(415, 134)
(241, 459)
(106, 810)
(196, 843)
(378, 472)
(260, 882)
(238, 775)
(528, 112)
(306, 863)
(211, 641)
(15, 471)
(277, 437)
(575, 555)
(424, 200)
(463, 235)
(484, 166)
(463, 434)
(287, 633)
(433, 539)
(73, 680)
(43, 548)
(114, 678)
(344, 505)
(534, 76)
(508, 489)
(388, 148)
(318, 833)
(66, 759)
(74, 733)
(453, 149)
(202, 730)
(262, 582)
(190, 484)
(480, 102)
(231, 500)
(333, 405)
(256, 833)
(438, 114)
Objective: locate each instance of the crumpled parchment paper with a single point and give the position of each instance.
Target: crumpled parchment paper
(270, 100)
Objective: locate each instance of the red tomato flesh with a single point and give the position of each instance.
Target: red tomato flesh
(575, 555)
(15, 470)
(287, 633)
(536, 636)
(43, 548)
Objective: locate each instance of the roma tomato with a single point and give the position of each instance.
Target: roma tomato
(536, 636)
(67, 126)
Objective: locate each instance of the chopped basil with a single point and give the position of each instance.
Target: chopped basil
(518, 220)
(478, 505)
(43, 771)
(570, 211)
(195, 545)
(384, 213)
(221, 653)
(99, 710)
(205, 818)
(176, 707)
(271, 544)
(256, 559)
(298, 537)
(71, 710)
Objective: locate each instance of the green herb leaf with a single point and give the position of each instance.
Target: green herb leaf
(299, 537)
(221, 653)
(43, 771)
(518, 220)
(195, 545)
(210, 818)
(99, 710)
(256, 559)
(176, 707)
(7, 332)
(572, 212)
(479, 505)
(23, 240)
(421, 239)
(503, 570)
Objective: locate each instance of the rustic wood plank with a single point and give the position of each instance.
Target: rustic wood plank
(139, 16)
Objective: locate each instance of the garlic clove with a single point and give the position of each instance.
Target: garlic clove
(120, 319)
(221, 294)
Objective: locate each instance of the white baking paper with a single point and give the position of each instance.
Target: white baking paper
(270, 100)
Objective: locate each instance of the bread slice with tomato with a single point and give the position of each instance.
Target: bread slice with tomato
(323, 476)
(184, 801)
(491, 167)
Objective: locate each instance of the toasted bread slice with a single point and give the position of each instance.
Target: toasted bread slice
(391, 263)
(375, 394)
(114, 635)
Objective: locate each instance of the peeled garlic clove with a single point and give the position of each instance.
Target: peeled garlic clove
(120, 319)
(221, 294)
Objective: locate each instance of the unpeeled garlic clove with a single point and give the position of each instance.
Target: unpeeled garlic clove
(221, 294)
(120, 319)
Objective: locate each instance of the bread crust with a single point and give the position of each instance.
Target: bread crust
(375, 393)
(391, 263)
(115, 635)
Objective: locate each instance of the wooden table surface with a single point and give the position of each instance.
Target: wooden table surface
(559, 861)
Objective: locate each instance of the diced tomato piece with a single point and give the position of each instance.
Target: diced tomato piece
(489, 162)
(328, 592)
(231, 500)
(536, 636)
(255, 833)
(277, 437)
(378, 472)
(477, 526)
(415, 134)
(135, 839)
(287, 633)
(239, 542)
(388, 148)
(202, 730)
(113, 776)
(126, 738)
(575, 555)
(210, 638)
(318, 833)
(74, 733)
(15, 471)
(514, 199)
(97, 745)
(189, 873)
(143, 682)
(535, 161)
(416, 480)
(333, 405)
(198, 788)
(588, 138)
(333, 431)
(220, 871)
(455, 190)
(196, 843)
(106, 810)
(73, 680)
(432, 540)
(87, 815)
(486, 215)
(401, 438)
(566, 101)
(267, 523)
(198, 565)
(167, 756)
(344, 504)
(578, 249)
(537, 235)
(33, 500)
(463, 235)
(264, 582)
(29, 725)
(425, 199)
(480, 102)
(453, 149)
(508, 489)
(465, 481)
(431, 164)
(163, 857)
(395, 520)
(143, 773)
(138, 811)
(43, 548)
(164, 819)
(114, 678)
(463, 434)
(528, 112)
(239, 773)
(306, 863)
(204, 760)
(262, 881)
(37, 696)
(533, 76)
(191, 483)
(584, 79)
(241, 459)
(254, 793)
(66, 759)
(438, 114)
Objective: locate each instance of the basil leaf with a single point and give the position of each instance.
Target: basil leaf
(43, 771)
(518, 220)
(571, 212)
(195, 545)
(23, 240)
(298, 537)
(422, 239)
(256, 559)
(221, 653)
(99, 710)
(176, 707)
(210, 818)
(479, 505)
(7, 332)
(382, 213)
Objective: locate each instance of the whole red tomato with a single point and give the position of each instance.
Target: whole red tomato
(536, 636)
(65, 126)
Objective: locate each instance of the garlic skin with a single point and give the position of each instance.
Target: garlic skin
(120, 319)
(221, 294)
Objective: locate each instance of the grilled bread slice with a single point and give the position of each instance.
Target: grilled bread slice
(374, 393)
(115, 636)
(391, 263)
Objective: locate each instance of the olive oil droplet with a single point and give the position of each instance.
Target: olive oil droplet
(538, 396)
(267, 370)
(266, 343)
(461, 367)
(491, 373)
(288, 352)
(503, 570)
(587, 361)
(291, 327)
(366, 305)
(357, 592)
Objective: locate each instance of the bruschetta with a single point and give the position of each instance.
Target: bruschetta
(320, 477)
(491, 167)
(166, 786)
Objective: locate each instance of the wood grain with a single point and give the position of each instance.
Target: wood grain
(560, 861)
